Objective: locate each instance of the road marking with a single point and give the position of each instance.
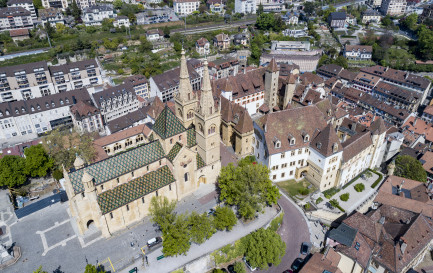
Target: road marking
(83, 245)
(44, 238)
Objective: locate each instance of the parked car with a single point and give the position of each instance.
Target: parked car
(231, 268)
(154, 241)
(305, 248)
(288, 271)
(248, 265)
(297, 264)
(211, 212)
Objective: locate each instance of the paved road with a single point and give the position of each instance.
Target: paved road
(199, 29)
(24, 53)
(293, 231)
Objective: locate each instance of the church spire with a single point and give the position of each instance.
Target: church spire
(207, 105)
(185, 88)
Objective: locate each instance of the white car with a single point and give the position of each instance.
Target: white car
(248, 265)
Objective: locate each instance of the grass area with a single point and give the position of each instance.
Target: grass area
(180, 270)
(331, 192)
(26, 59)
(276, 223)
(293, 188)
(228, 253)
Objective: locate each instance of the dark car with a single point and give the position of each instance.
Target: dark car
(288, 271)
(305, 248)
(154, 241)
(231, 268)
(297, 264)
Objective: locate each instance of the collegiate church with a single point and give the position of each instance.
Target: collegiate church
(181, 151)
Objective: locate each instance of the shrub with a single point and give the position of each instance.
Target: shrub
(377, 180)
(319, 200)
(359, 187)
(336, 204)
(307, 206)
(331, 192)
(224, 218)
(344, 197)
(303, 191)
(240, 267)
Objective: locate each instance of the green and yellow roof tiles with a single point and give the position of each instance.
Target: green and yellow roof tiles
(191, 141)
(118, 165)
(167, 124)
(200, 162)
(174, 151)
(126, 193)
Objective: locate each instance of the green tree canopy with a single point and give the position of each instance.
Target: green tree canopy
(263, 247)
(38, 4)
(266, 21)
(75, 11)
(425, 42)
(177, 237)
(341, 61)
(37, 162)
(309, 7)
(259, 9)
(117, 4)
(12, 171)
(162, 211)
(40, 270)
(224, 218)
(166, 31)
(410, 22)
(201, 227)
(247, 187)
(408, 167)
(93, 269)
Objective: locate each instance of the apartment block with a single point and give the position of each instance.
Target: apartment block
(15, 17)
(26, 4)
(393, 7)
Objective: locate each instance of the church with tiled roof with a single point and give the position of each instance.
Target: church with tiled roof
(180, 152)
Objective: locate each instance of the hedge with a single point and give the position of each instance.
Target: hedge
(359, 187)
(331, 192)
(344, 197)
(336, 204)
(320, 199)
(377, 180)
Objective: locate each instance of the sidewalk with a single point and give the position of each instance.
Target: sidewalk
(218, 240)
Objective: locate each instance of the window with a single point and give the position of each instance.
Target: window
(156, 193)
(83, 195)
(292, 141)
(102, 187)
(212, 129)
(118, 180)
(293, 153)
(283, 174)
(142, 200)
(180, 137)
(274, 176)
(291, 172)
(171, 141)
(132, 174)
(147, 168)
(283, 155)
(357, 245)
(127, 207)
(186, 177)
(111, 215)
(160, 163)
(299, 151)
(169, 187)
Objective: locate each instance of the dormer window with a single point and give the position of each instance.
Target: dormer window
(335, 148)
(306, 138)
(23, 109)
(7, 113)
(38, 107)
(61, 102)
(1, 114)
(67, 100)
(16, 111)
(47, 105)
(319, 145)
(277, 142)
(32, 108)
(292, 141)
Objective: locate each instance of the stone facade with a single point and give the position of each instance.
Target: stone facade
(169, 160)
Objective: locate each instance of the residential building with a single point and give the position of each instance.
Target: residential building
(241, 39)
(26, 4)
(185, 7)
(365, 82)
(19, 34)
(202, 46)
(417, 130)
(337, 20)
(328, 71)
(120, 21)
(216, 6)
(15, 17)
(116, 101)
(221, 41)
(402, 79)
(130, 120)
(52, 16)
(245, 6)
(427, 114)
(271, 6)
(170, 164)
(376, 3)
(371, 16)
(84, 4)
(393, 7)
(427, 13)
(29, 118)
(140, 85)
(95, 14)
(222, 68)
(387, 239)
(306, 60)
(320, 263)
(350, 19)
(154, 35)
(59, 4)
(427, 163)
(75, 75)
(296, 32)
(397, 96)
(166, 85)
(358, 52)
(291, 45)
(86, 118)
(291, 18)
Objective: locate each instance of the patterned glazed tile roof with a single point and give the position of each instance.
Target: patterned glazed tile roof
(191, 141)
(200, 162)
(174, 151)
(167, 124)
(117, 165)
(134, 189)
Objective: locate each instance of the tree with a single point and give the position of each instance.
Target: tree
(166, 31)
(309, 7)
(37, 162)
(117, 4)
(40, 270)
(344, 197)
(162, 212)
(57, 174)
(93, 269)
(247, 187)
(145, 46)
(327, 12)
(425, 43)
(263, 247)
(408, 167)
(224, 218)
(259, 9)
(387, 21)
(341, 61)
(3, 3)
(240, 267)
(410, 22)
(201, 227)
(176, 237)
(38, 4)
(75, 11)
(202, 8)
(265, 21)
(12, 171)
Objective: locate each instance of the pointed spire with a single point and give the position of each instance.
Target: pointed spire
(207, 105)
(185, 87)
(272, 67)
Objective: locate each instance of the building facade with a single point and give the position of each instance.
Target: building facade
(15, 17)
(358, 53)
(224, 67)
(26, 4)
(245, 6)
(202, 46)
(185, 7)
(393, 7)
(95, 14)
(86, 118)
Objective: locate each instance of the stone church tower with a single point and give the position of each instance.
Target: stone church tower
(208, 122)
(185, 100)
(271, 84)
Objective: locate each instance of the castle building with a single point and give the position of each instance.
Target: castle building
(179, 152)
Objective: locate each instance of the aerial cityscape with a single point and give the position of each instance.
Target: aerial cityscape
(216, 136)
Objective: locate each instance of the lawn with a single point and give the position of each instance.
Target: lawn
(293, 188)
